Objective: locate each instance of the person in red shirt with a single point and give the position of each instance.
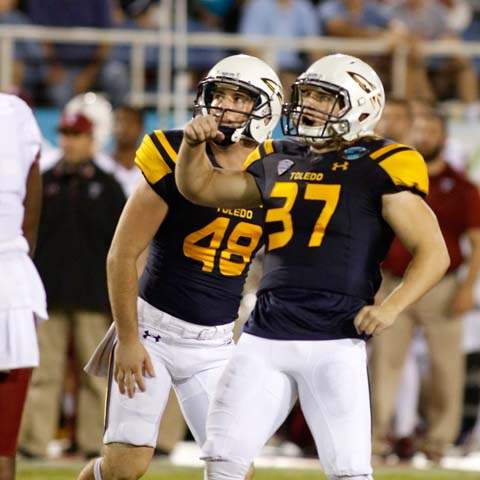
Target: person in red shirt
(456, 202)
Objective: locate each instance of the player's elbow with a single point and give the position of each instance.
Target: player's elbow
(191, 194)
(199, 198)
(445, 259)
(187, 188)
(113, 258)
(194, 191)
(432, 253)
(441, 258)
(119, 255)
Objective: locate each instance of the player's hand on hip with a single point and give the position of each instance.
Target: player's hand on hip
(201, 129)
(132, 363)
(373, 319)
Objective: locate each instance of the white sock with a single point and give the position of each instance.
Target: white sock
(225, 470)
(350, 477)
(97, 470)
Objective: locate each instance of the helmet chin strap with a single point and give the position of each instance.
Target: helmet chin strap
(232, 135)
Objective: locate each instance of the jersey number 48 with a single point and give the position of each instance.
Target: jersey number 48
(241, 243)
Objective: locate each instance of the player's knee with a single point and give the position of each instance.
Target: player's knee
(225, 470)
(116, 466)
(122, 471)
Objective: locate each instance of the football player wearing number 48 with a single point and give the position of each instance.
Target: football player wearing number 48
(334, 196)
(179, 331)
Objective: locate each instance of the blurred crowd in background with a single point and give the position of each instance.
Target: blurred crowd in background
(431, 397)
(51, 74)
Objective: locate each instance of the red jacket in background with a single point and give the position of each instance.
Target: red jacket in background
(456, 203)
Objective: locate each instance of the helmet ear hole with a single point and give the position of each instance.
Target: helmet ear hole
(363, 116)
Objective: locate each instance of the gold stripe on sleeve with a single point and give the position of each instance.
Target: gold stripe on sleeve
(268, 146)
(252, 158)
(407, 169)
(166, 145)
(386, 149)
(150, 161)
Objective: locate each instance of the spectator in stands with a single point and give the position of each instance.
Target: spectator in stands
(137, 15)
(211, 12)
(286, 19)
(81, 206)
(459, 15)
(28, 56)
(472, 32)
(427, 20)
(203, 17)
(456, 202)
(219, 14)
(144, 15)
(76, 68)
(228, 10)
(367, 19)
(127, 131)
(353, 18)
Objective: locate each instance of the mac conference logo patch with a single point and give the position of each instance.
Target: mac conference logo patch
(284, 165)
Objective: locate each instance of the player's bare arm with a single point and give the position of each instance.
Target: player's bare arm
(33, 206)
(203, 184)
(417, 228)
(141, 218)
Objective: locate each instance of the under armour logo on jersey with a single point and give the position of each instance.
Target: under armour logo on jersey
(344, 166)
(284, 165)
(147, 334)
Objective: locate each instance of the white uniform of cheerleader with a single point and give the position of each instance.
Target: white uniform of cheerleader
(22, 296)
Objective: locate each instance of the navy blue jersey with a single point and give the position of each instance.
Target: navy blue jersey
(325, 234)
(199, 257)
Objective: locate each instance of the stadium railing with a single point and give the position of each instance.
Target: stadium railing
(174, 96)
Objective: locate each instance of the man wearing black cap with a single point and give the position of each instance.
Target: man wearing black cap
(81, 206)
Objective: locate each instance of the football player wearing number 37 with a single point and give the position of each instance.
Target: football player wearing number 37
(179, 331)
(334, 196)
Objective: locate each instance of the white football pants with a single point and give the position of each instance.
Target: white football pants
(258, 387)
(190, 357)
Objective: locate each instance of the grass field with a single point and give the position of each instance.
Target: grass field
(28, 471)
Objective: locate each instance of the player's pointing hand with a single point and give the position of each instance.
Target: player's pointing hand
(373, 319)
(201, 129)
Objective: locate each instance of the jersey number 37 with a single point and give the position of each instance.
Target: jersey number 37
(329, 194)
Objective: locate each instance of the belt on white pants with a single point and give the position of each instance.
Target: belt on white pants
(150, 315)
